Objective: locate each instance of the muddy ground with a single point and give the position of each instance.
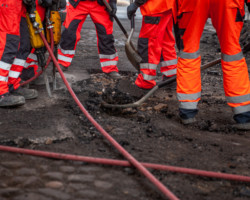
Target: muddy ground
(151, 133)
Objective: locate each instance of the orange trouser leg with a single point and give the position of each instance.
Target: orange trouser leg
(105, 39)
(10, 16)
(169, 58)
(150, 45)
(71, 35)
(191, 26)
(235, 73)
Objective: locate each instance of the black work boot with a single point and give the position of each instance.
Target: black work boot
(114, 75)
(8, 100)
(26, 93)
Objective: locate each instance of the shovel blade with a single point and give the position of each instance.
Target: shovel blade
(132, 55)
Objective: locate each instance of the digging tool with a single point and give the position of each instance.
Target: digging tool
(159, 85)
(130, 49)
(131, 53)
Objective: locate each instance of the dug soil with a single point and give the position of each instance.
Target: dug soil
(151, 133)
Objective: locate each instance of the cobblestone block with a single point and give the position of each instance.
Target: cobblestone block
(103, 184)
(67, 169)
(8, 192)
(12, 164)
(54, 175)
(55, 193)
(33, 181)
(89, 169)
(54, 184)
(31, 196)
(76, 186)
(88, 194)
(26, 172)
(81, 178)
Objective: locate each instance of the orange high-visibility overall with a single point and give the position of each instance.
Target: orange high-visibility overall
(156, 44)
(104, 28)
(227, 18)
(10, 17)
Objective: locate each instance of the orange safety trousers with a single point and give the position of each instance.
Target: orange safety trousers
(104, 29)
(156, 46)
(228, 22)
(10, 16)
(22, 68)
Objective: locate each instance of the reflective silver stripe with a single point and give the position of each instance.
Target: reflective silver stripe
(108, 63)
(32, 56)
(230, 58)
(182, 96)
(188, 105)
(70, 52)
(186, 55)
(241, 109)
(26, 65)
(108, 56)
(148, 77)
(168, 63)
(14, 74)
(169, 72)
(19, 62)
(2, 78)
(238, 99)
(64, 58)
(5, 66)
(148, 66)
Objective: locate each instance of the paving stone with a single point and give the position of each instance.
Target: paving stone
(89, 169)
(44, 168)
(54, 184)
(103, 184)
(76, 186)
(54, 175)
(12, 164)
(33, 181)
(17, 180)
(57, 194)
(5, 172)
(87, 194)
(81, 178)
(31, 196)
(67, 169)
(26, 171)
(8, 192)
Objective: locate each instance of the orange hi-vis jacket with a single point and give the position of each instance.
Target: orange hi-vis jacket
(156, 6)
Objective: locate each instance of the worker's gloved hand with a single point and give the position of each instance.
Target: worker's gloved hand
(100, 2)
(131, 10)
(45, 3)
(62, 4)
(112, 4)
(28, 2)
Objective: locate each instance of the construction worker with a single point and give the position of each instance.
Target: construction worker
(227, 18)
(10, 18)
(156, 44)
(77, 12)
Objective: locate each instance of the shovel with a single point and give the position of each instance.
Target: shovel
(130, 50)
(131, 53)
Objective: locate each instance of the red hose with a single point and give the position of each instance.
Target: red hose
(123, 163)
(128, 156)
(47, 63)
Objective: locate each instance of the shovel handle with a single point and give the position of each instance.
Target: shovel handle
(116, 18)
(133, 22)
